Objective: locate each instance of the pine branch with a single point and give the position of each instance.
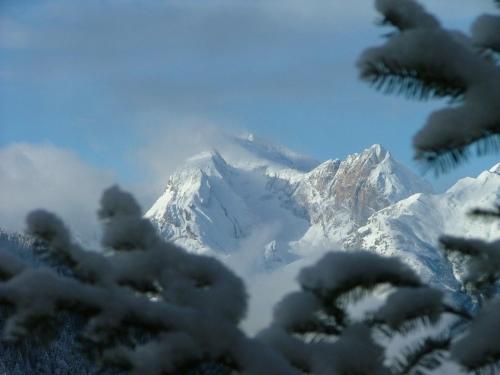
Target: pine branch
(442, 161)
(486, 213)
(413, 325)
(417, 82)
(324, 327)
(490, 368)
(404, 15)
(425, 355)
(457, 312)
(392, 19)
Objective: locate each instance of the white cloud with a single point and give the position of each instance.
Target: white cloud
(44, 176)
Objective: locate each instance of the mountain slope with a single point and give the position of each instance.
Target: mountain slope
(411, 227)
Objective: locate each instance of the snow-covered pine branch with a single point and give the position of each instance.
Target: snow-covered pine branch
(485, 32)
(405, 15)
(427, 354)
(407, 304)
(480, 259)
(150, 306)
(424, 60)
(314, 330)
(480, 346)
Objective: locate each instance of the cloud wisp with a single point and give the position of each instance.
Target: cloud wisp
(44, 176)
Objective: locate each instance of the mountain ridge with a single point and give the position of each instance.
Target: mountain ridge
(214, 204)
(221, 204)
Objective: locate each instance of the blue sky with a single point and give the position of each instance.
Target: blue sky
(106, 80)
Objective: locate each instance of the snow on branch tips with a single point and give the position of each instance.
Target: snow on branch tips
(150, 307)
(315, 330)
(407, 304)
(340, 272)
(485, 32)
(405, 14)
(480, 346)
(424, 60)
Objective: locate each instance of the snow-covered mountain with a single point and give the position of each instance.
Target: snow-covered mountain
(410, 228)
(340, 196)
(214, 202)
(280, 206)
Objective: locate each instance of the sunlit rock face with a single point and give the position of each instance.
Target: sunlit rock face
(340, 196)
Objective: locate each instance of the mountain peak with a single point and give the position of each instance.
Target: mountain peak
(377, 148)
(209, 162)
(378, 151)
(205, 156)
(375, 154)
(262, 183)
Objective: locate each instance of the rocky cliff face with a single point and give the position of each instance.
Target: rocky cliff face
(340, 196)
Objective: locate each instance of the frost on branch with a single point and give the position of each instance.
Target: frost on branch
(150, 306)
(353, 352)
(424, 60)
